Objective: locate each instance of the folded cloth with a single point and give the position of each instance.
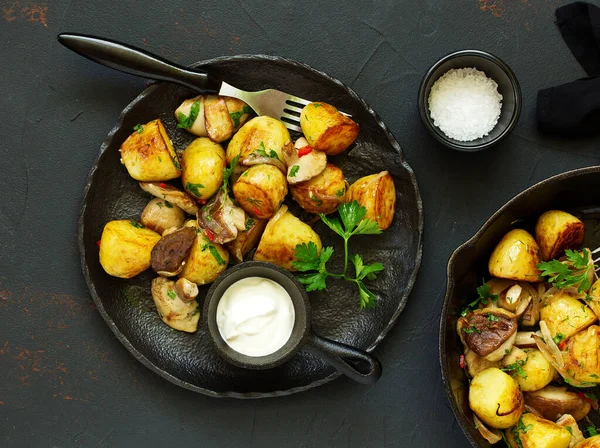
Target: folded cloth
(570, 109)
(574, 108)
(579, 24)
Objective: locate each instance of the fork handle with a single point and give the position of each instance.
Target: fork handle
(135, 61)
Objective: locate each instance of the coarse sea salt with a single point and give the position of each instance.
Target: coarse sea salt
(465, 104)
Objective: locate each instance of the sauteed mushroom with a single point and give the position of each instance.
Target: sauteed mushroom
(159, 215)
(169, 254)
(171, 194)
(172, 310)
(222, 218)
(489, 332)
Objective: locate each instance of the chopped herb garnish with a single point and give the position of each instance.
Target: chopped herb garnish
(137, 225)
(253, 201)
(558, 338)
(176, 162)
(227, 172)
(193, 188)
(484, 296)
(159, 204)
(316, 200)
(186, 122)
(315, 105)
(491, 317)
(139, 128)
(261, 151)
(568, 428)
(560, 275)
(470, 330)
(517, 368)
(159, 159)
(249, 224)
(171, 294)
(294, 170)
(214, 252)
(593, 375)
(340, 193)
(592, 431)
(236, 116)
(168, 204)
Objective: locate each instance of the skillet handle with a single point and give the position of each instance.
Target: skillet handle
(356, 364)
(132, 60)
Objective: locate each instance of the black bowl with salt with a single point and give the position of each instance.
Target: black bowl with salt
(495, 69)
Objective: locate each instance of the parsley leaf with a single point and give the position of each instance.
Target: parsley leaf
(237, 115)
(137, 225)
(592, 431)
(484, 296)
(186, 122)
(139, 128)
(294, 170)
(171, 294)
(249, 224)
(517, 368)
(261, 151)
(214, 252)
(227, 172)
(561, 275)
(193, 188)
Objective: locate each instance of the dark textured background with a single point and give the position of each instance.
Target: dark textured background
(66, 380)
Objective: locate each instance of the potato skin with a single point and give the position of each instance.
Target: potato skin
(260, 190)
(541, 433)
(556, 231)
(278, 242)
(493, 390)
(377, 194)
(323, 193)
(202, 163)
(201, 266)
(326, 129)
(538, 371)
(149, 155)
(263, 130)
(592, 442)
(566, 315)
(126, 247)
(516, 257)
(160, 215)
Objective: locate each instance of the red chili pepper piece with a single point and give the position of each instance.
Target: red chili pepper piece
(562, 345)
(256, 211)
(461, 361)
(162, 185)
(209, 234)
(582, 395)
(304, 150)
(201, 201)
(98, 243)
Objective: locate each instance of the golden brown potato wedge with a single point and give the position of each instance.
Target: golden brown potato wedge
(281, 236)
(536, 432)
(323, 193)
(260, 190)
(203, 162)
(126, 248)
(552, 402)
(247, 239)
(556, 231)
(260, 140)
(592, 442)
(496, 399)
(148, 153)
(206, 260)
(377, 194)
(326, 129)
(567, 421)
(516, 257)
(564, 314)
(581, 353)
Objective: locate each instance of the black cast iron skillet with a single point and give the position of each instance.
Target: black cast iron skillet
(190, 360)
(574, 191)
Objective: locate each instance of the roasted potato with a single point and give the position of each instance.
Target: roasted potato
(159, 215)
(126, 248)
(281, 236)
(580, 355)
(556, 231)
(592, 442)
(565, 315)
(206, 260)
(202, 163)
(148, 153)
(260, 140)
(496, 399)
(531, 370)
(568, 422)
(247, 239)
(552, 402)
(516, 257)
(176, 313)
(536, 432)
(323, 193)
(377, 194)
(326, 129)
(260, 190)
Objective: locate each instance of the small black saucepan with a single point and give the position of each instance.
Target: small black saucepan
(575, 192)
(354, 363)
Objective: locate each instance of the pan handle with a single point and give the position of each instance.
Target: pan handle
(135, 61)
(356, 364)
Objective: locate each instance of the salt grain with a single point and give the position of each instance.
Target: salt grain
(465, 104)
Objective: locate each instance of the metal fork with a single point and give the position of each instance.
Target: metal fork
(594, 252)
(135, 61)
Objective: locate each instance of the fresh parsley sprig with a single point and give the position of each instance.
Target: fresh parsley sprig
(561, 275)
(352, 222)
(186, 122)
(227, 172)
(484, 296)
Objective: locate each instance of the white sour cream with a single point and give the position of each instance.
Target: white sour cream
(255, 316)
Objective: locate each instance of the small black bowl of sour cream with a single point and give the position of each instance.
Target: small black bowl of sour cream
(258, 316)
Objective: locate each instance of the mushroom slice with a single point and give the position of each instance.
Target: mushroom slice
(247, 239)
(525, 339)
(491, 435)
(303, 161)
(567, 421)
(171, 251)
(171, 194)
(217, 119)
(488, 332)
(159, 215)
(186, 290)
(269, 157)
(182, 113)
(552, 402)
(173, 311)
(222, 219)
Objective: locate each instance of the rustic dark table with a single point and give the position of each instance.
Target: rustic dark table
(66, 381)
